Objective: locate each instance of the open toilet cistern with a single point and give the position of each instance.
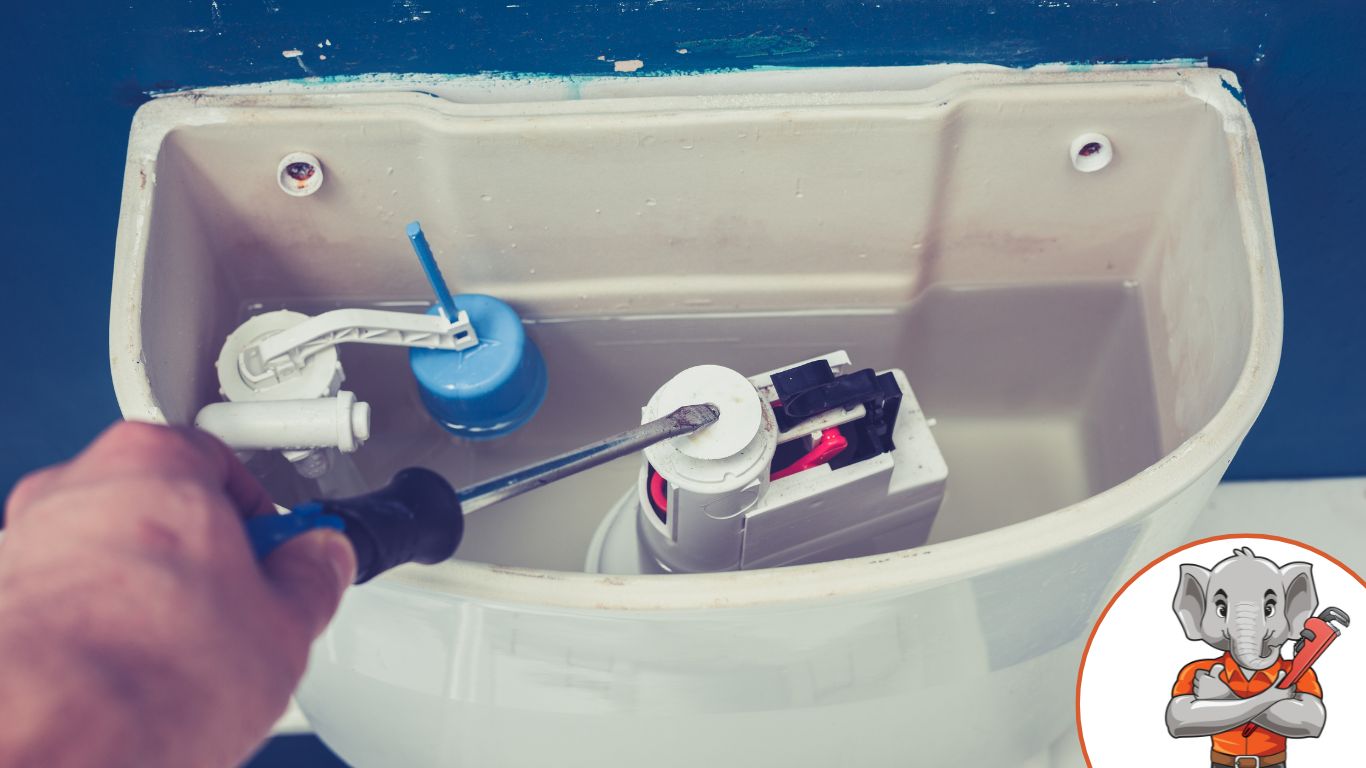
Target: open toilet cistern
(1091, 380)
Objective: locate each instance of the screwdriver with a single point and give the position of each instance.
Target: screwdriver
(419, 518)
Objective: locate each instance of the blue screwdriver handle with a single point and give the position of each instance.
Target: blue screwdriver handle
(416, 518)
(267, 532)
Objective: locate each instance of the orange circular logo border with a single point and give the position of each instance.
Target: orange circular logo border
(1081, 670)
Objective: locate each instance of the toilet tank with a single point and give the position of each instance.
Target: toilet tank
(1074, 269)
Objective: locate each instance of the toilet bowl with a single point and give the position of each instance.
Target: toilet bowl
(1074, 270)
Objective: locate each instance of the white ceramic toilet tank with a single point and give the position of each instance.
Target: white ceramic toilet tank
(1090, 334)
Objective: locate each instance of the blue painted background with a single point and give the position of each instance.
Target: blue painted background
(78, 70)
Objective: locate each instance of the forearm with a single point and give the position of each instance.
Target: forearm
(1299, 718)
(1188, 716)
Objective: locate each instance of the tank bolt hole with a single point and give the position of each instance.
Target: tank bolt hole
(300, 174)
(1091, 152)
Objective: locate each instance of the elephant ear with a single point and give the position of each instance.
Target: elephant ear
(1297, 580)
(1190, 600)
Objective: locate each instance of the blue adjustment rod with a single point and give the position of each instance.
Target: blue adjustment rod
(419, 518)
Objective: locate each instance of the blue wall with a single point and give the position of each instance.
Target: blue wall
(77, 74)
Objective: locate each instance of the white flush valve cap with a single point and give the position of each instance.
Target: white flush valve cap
(731, 393)
(726, 455)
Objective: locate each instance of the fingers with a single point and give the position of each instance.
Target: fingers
(181, 452)
(1289, 689)
(1202, 684)
(142, 448)
(241, 486)
(30, 487)
(311, 572)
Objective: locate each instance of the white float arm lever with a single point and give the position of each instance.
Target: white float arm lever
(282, 355)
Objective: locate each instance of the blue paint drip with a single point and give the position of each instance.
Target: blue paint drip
(573, 83)
(1235, 90)
(1091, 66)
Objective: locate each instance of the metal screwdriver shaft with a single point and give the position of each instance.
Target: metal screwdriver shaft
(689, 418)
(419, 518)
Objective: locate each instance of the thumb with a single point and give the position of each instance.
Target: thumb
(1217, 670)
(310, 572)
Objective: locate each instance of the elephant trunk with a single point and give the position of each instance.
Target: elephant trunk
(1247, 630)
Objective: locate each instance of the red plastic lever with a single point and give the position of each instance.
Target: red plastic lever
(828, 447)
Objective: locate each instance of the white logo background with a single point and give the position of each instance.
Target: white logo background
(1139, 648)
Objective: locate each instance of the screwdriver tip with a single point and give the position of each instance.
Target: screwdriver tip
(696, 416)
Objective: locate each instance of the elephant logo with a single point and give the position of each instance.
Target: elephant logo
(1250, 700)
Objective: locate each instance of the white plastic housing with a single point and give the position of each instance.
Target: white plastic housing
(881, 504)
(1093, 347)
(319, 376)
(715, 475)
(330, 422)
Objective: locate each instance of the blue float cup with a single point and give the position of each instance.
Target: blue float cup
(487, 390)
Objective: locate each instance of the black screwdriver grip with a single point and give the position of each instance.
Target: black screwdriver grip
(416, 518)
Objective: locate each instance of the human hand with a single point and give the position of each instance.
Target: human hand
(1210, 685)
(136, 627)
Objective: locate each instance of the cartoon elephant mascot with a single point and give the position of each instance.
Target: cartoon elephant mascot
(1247, 607)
